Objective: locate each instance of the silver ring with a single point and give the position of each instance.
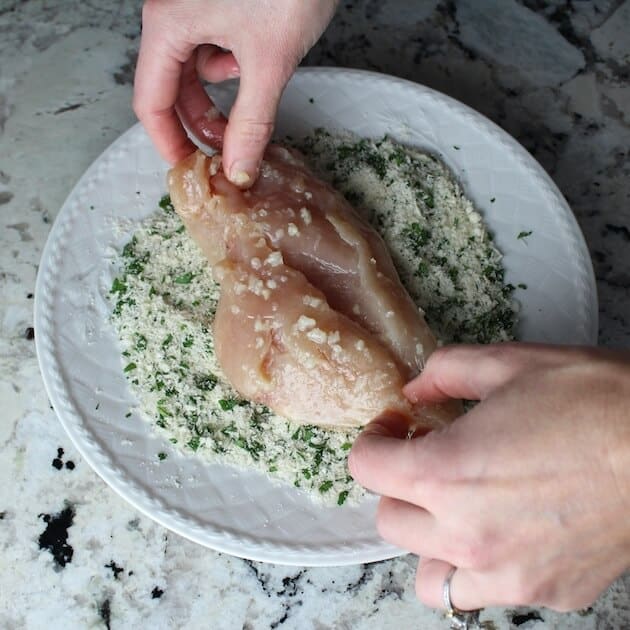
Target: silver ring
(460, 619)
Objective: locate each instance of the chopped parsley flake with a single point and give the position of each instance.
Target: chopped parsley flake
(185, 278)
(326, 486)
(205, 382)
(227, 404)
(118, 286)
(524, 235)
(166, 204)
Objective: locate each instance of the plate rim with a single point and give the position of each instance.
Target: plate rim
(139, 497)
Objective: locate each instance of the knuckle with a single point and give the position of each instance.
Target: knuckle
(502, 353)
(474, 553)
(427, 489)
(522, 589)
(438, 356)
(253, 133)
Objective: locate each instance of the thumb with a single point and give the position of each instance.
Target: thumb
(473, 372)
(251, 120)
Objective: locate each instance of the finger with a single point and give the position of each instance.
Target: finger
(388, 465)
(412, 528)
(196, 109)
(156, 86)
(473, 372)
(468, 590)
(216, 66)
(251, 120)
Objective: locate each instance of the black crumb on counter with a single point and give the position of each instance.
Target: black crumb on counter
(29, 333)
(115, 569)
(55, 536)
(58, 463)
(157, 592)
(105, 613)
(518, 619)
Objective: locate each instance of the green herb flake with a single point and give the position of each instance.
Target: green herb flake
(130, 367)
(346, 446)
(227, 404)
(128, 414)
(416, 237)
(523, 235)
(343, 495)
(205, 382)
(422, 270)
(194, 442)
(166, 204)
(522, 285)
(325, 486)
(162, 410)
(162, 456)
(185, 278)
(118, 286)
(141, 342)
(167, 341)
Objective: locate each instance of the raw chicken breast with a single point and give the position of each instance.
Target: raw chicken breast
(313, 320)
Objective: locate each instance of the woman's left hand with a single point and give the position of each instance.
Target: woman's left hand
(527, 494)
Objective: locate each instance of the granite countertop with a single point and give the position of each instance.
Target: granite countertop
(555, 74)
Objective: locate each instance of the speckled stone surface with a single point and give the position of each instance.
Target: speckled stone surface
(555, 74)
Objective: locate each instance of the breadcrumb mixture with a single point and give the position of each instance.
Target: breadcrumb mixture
(164, 300)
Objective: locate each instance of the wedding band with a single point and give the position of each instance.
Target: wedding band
(460, 619)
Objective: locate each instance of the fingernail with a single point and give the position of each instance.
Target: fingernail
(243, 173)
(389, 424)
(410, 393)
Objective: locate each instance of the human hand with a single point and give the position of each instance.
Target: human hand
(185, 40)
(527, 494)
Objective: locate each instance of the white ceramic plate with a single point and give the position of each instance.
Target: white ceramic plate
(240, 512)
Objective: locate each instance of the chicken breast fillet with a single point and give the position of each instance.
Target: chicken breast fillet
(313, 320)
